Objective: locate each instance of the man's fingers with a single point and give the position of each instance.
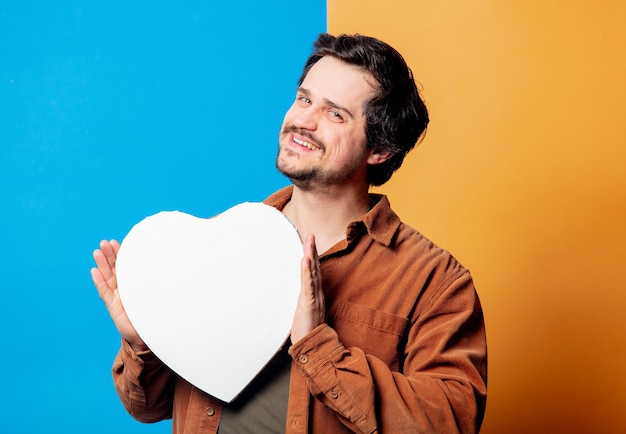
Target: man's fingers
(314, 276)
(105, 260)
(104, 291)
(310, 264)
(310, 307)
(305, 269)
(110, 249)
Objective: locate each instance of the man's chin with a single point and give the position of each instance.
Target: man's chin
(304, 180)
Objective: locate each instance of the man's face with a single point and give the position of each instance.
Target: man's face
(322, 140)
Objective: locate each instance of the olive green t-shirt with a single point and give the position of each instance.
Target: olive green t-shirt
(262, 406)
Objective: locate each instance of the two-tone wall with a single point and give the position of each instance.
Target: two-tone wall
(112, 112)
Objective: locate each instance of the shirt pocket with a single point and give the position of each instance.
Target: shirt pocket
(378, 333)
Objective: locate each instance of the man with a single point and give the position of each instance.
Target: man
(388, 333)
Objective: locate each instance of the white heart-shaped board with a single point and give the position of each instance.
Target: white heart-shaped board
(213, 298)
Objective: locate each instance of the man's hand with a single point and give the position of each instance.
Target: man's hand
(310, 310)
(105, 279)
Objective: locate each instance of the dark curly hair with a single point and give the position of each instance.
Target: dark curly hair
(396, 117)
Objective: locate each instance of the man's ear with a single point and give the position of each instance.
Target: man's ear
(378, 156)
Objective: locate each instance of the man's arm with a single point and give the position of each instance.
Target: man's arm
(144, 384)
(105, 280)
(442, 386)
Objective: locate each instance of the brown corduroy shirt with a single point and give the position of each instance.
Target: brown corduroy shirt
(403, 348)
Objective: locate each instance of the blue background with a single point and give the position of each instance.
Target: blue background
(109, 112)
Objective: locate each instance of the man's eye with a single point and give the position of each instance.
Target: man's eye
(304, 100)
(335, 115)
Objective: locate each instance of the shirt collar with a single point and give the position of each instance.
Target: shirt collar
(381, 222)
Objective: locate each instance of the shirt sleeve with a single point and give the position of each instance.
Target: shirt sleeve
(442, 383)
(144, 384)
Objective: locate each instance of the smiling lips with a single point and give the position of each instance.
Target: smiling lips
(307, 145)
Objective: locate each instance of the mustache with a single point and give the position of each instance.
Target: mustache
(304, 133)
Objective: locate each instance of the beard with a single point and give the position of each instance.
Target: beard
(313, 176)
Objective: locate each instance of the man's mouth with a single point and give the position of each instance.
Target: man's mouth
(307, 145)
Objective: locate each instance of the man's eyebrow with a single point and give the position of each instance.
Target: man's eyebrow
(327, 102)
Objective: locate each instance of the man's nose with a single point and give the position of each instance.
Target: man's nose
(306, 119)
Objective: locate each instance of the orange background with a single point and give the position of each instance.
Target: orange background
(522, 177)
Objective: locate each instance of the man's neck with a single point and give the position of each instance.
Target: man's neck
(326, 215)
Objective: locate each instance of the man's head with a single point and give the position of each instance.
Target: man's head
(396, 116)
(322, 144)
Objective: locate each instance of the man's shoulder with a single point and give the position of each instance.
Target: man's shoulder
(411, 242)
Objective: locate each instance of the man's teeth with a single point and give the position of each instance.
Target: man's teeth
(307, 145)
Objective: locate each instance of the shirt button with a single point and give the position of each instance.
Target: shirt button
(335, 395)
(210, 411)
(303, 358)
